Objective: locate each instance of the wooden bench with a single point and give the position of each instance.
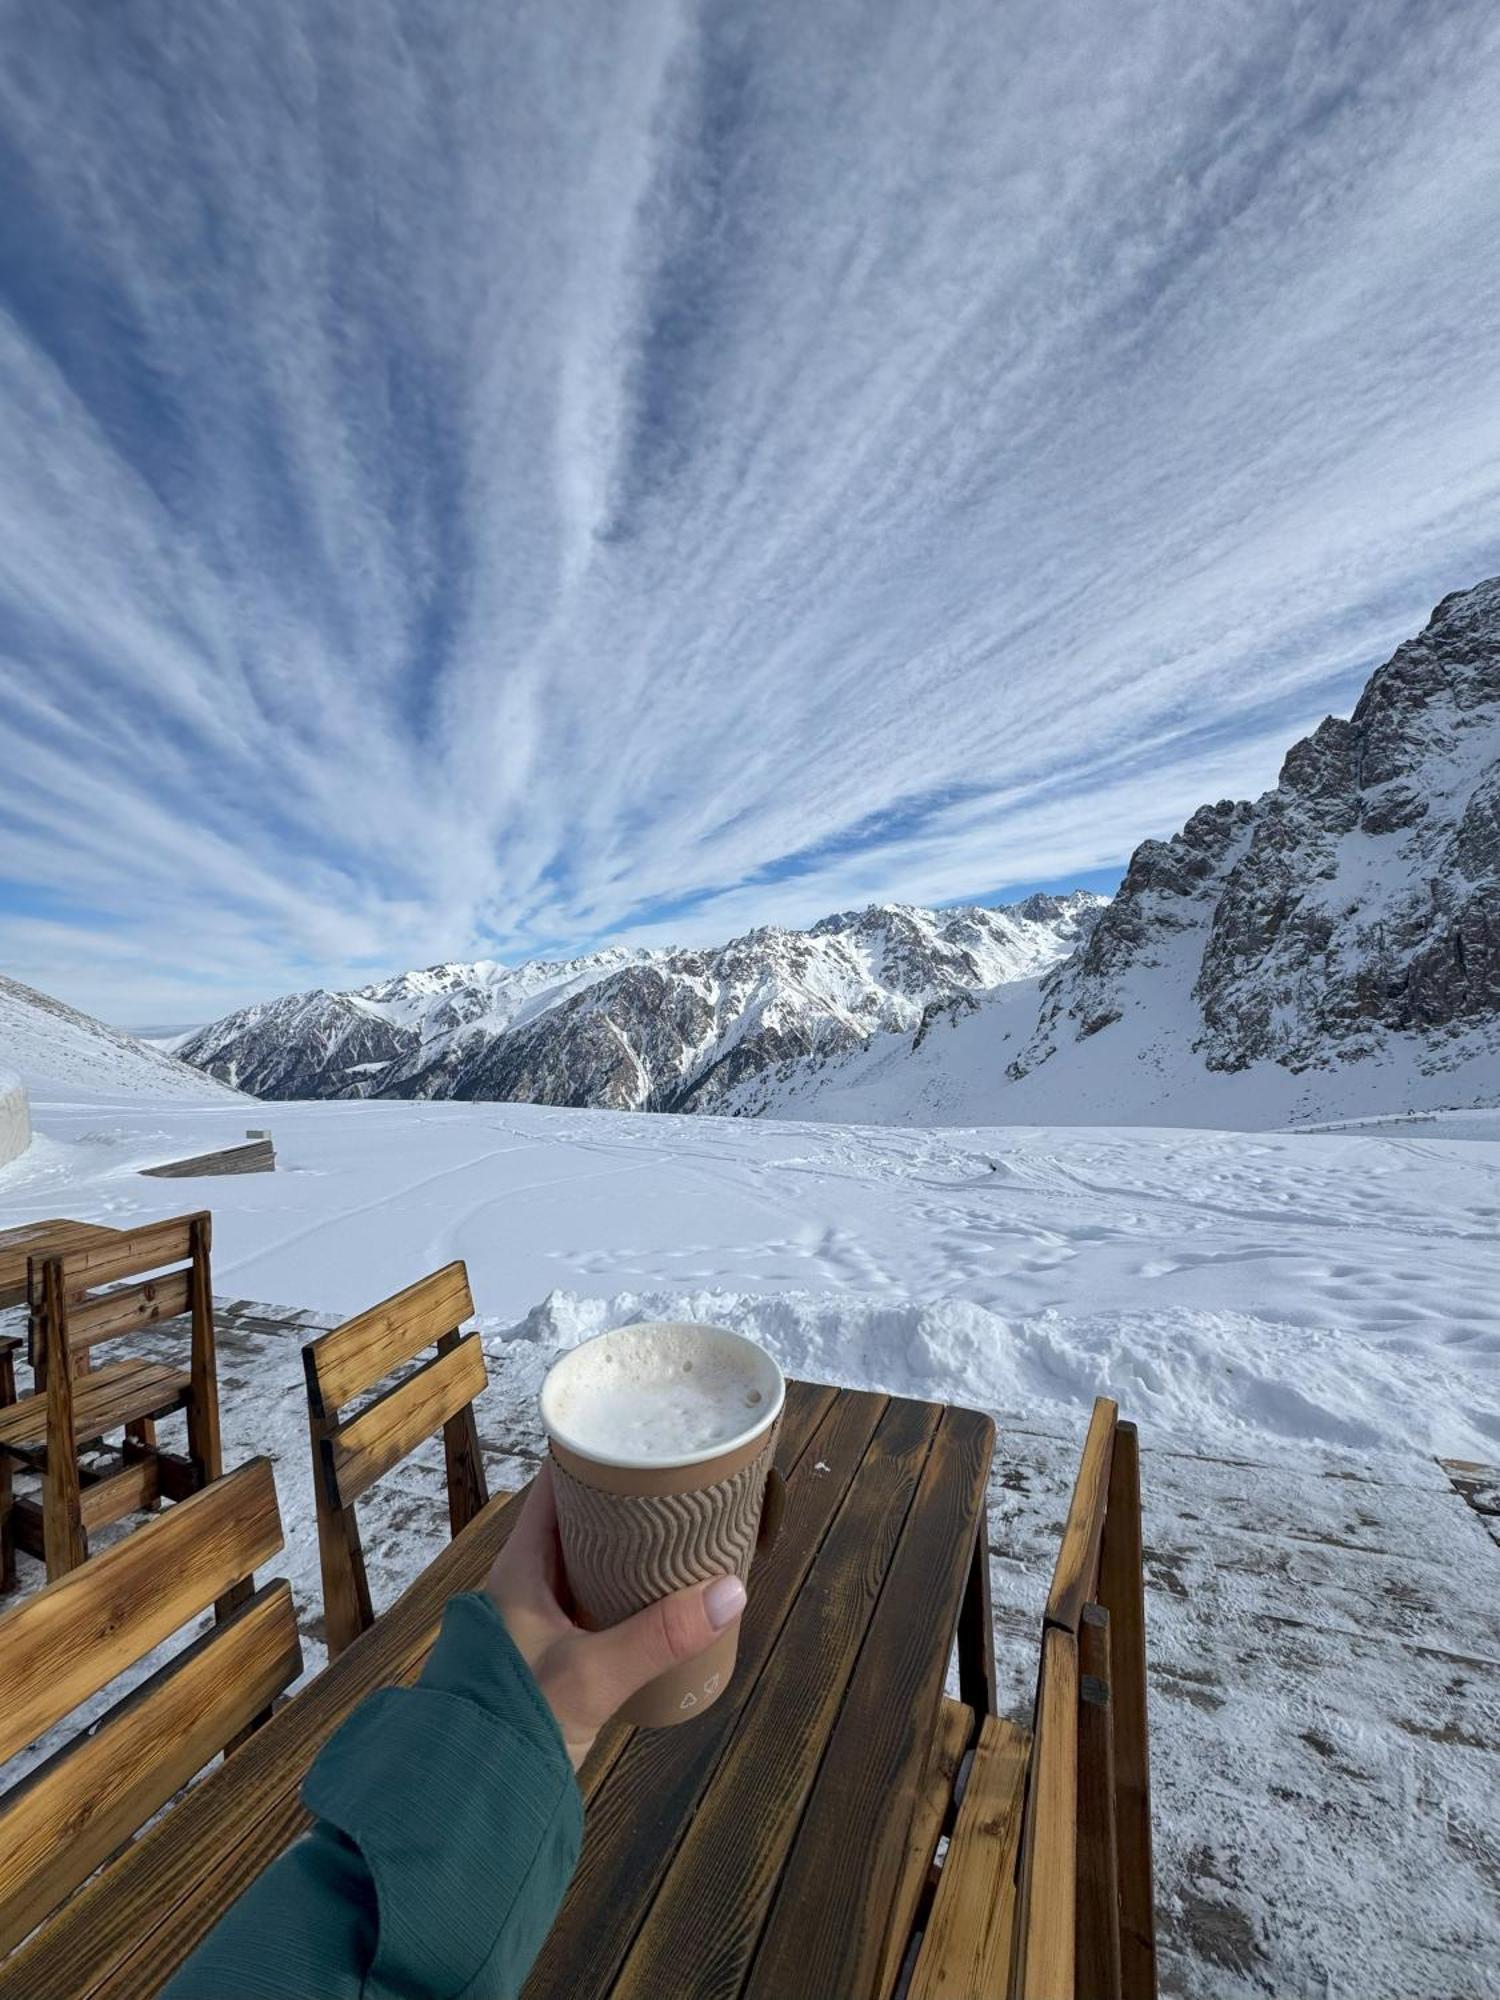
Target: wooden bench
(68, 1641)
(78, 1301)
(351, 1453)
(1046, 1890)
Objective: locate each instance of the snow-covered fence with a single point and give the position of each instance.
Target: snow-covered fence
(15, 1117)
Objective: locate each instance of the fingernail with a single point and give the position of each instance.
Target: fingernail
(724, 1600)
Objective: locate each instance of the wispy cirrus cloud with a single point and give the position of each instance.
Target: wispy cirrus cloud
(487, 481)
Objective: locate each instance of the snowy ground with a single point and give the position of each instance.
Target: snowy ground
(1301, 1323)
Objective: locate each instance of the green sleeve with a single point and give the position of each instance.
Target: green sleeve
(448, 1827)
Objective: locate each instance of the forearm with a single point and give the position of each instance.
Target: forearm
(448, 1827)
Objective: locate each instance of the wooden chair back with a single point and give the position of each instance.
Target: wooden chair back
(64, 1644)
(80, 1298)
(351, 1453)
(91, 1304)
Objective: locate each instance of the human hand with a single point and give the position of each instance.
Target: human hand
(585, 1676)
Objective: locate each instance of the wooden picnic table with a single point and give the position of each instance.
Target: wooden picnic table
(32, 1239)
(755, 1851)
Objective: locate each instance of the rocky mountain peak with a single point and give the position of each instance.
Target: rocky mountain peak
(1357, 899)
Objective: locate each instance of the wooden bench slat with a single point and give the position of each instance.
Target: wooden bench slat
(663, 1774)
(397, 1422)
(966, 1949)
(130, 1254)
(126, 1492)
(949, 1747)
(71, 1639)
(253, 1156)
(1078, 1555)
(132, 1306)
(76, 1809)
(103, 1401)
(356, 1355)
(1048, 1885)
(1122, 1593)
(1097, 1928)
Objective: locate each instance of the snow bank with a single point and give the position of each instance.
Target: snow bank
(1220, 1380)
(15, 1117)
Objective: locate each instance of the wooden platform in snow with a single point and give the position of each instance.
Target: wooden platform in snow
(255, 1156)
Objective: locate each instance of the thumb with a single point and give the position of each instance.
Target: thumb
(626, 1656)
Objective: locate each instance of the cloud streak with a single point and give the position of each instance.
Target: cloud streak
(474, 480)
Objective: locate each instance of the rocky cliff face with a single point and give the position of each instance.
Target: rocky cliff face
(1357, 901)
(665, 1031)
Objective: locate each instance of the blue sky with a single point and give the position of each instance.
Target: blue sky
(483, 480)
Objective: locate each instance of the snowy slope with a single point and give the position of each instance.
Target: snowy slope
(667, 1030)
(59, 1052)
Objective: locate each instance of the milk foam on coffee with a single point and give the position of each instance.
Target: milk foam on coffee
(661, 1393)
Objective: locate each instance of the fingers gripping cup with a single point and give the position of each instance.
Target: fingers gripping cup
(661, 1437)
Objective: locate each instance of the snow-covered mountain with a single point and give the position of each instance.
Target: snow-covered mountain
(57, 1051)
(1349, 916)
(679, 1030)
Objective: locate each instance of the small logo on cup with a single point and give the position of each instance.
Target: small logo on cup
(711, 1685)
(689, 1700)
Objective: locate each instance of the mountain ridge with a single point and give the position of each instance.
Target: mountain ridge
(657, 1029)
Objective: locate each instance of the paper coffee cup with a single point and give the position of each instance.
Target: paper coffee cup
(661, 1437)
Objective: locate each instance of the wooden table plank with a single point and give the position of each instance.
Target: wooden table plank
(806, 1405)
(700, 1934)
(127, 1930)
(826, 1930)
(34, 1239)
(652, 1792)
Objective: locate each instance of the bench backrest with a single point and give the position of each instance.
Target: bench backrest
(1046, 1890)
(61, 1646)
(350, 1454)
(77, 1298)
(1085, 1916)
